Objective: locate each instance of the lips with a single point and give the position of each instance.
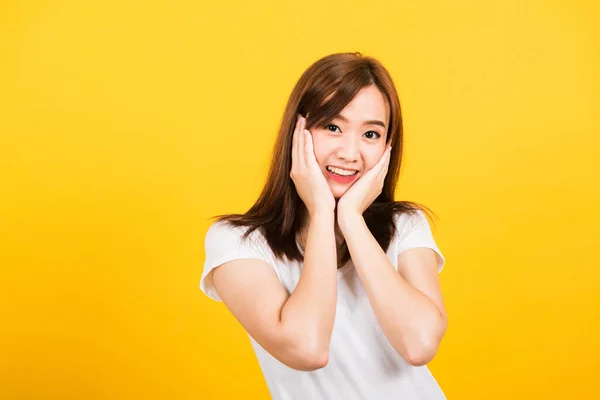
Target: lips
(341, 178)
(341, 171)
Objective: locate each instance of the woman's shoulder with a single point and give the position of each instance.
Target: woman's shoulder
(409, 221)
(227, 231)
(223, 226)
(409, 218)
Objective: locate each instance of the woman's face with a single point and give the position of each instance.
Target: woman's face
(354, 141)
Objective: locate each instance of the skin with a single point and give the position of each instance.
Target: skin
(352, 141)
(296, 328)
(407, 302)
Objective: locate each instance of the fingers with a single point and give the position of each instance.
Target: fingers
(309, 154)
(384, 162)
(302, 142)
(298, 144)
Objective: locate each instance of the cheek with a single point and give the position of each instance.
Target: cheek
(321, 148)
(372, 157)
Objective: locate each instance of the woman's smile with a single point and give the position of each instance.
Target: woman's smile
(341, 178)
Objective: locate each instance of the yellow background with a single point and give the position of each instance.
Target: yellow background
(125, 125)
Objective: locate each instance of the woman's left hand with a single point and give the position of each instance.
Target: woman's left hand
(365, 190)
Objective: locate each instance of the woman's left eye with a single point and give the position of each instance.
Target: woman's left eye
(370, 134)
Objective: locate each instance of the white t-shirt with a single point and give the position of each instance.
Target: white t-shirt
(362, 363)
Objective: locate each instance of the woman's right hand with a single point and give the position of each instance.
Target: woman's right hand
(311, 185)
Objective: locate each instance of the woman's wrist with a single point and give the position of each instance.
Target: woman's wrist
(322, 217)
(321, 212)
(347, 219)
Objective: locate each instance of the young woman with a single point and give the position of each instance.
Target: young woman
(335, 282)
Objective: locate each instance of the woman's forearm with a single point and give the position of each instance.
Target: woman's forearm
(409, 319)
(309, 313)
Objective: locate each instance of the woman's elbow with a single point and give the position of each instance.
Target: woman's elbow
(316, 361)
(422, 353)
(420, 357)
(307, 355)
(303, 360)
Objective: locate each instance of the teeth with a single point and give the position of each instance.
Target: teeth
(343, 172)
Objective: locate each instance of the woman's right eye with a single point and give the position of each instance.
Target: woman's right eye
(332, 127)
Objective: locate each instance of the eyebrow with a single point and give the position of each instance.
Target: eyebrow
(369, 122)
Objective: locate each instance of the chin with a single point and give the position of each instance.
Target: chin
(338, 192)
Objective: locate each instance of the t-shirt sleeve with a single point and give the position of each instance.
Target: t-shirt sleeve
(224, 243)
(414, 231)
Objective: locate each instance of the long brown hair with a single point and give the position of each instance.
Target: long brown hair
(321, 93)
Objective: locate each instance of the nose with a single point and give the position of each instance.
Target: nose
(348, 149)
